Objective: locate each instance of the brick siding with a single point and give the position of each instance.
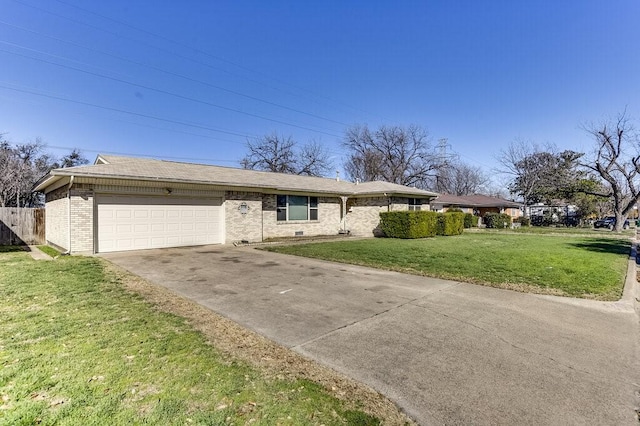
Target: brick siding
(82, 221)
(328, 222)
(57, 218)
(241, 226)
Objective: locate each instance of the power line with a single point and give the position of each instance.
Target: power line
(206, 160)
(165, 92)
(182, 123)
(154, 68)
(182, 56)
(168, 120)
(174, 74)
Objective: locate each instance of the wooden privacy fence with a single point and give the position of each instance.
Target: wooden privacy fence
(21, 226)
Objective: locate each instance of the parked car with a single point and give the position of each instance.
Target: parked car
(609, 222)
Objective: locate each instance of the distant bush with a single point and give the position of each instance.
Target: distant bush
(496, 220)
(454, 210)
(421, 224)
(523, 221)
(470, 221)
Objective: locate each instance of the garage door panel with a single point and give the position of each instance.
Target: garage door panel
(140, 227)
(141, 222)
(175, 241)
(158, 241)
(123, 228)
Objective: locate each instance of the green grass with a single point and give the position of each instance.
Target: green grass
(574, 266)
(75, 348)
(601, 232)
(49, 250)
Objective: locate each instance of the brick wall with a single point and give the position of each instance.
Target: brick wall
(81, 221)
(328, 222)
(243, 223)
(57, 218)
(363, 215)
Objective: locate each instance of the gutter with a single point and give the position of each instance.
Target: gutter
(69, 215)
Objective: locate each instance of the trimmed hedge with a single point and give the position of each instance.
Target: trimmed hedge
(420, 224)
(408, 224)
(496, 220)
(523, 221)
(450, 223)
(470, 221)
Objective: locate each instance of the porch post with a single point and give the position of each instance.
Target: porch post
(344, 213)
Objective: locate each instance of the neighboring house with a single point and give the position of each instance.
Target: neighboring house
(563, 208)
(477, 205)
(122, 203)
(557, 212)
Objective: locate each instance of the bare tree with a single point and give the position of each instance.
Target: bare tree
(461, 179)
(274, 153)
(512, 161)
(8, 173)
(542, 175)
(20, 168)
(616, 159)
(401, 155)
(73, 159)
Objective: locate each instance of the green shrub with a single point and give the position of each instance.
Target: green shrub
(470, 221)
(421, 224)
(450, 223)
(496, 220)
(523, 221)
(454, 210)
(409, 224)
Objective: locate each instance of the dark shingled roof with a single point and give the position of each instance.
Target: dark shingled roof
(474, 201)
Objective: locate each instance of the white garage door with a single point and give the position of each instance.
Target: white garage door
(140, 222)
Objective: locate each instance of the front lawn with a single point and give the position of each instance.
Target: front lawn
(76, 348)
(572, 266)
(563, 230)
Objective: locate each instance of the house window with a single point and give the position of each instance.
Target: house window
(297, 207)
(415, 203)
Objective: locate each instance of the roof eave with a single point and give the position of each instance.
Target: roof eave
(61, 173)
(46, 181)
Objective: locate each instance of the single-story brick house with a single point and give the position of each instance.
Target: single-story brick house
(123, 203)
(477, 205)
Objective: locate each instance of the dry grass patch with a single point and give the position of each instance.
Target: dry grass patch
(277, 361)
(85, 343)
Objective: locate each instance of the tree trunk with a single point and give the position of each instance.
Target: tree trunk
(620, 219)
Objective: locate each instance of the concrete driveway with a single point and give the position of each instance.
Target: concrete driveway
(445, 352)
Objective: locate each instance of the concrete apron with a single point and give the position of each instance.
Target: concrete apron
(445, 352)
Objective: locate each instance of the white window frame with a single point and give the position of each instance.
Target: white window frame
(310, 209)
(415, 204)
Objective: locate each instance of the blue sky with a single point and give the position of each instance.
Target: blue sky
(195, 79)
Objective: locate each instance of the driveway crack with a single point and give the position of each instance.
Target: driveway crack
(408, 302)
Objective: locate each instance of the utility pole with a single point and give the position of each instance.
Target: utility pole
(442, 162)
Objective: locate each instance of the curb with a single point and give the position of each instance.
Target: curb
(631, 292)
